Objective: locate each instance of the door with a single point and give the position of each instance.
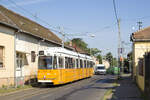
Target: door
(19, 69)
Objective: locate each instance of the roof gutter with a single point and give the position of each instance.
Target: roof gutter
(141, 40)
(16, 28)
(9, 25)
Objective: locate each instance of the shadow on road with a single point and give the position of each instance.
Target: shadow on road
(40, 85)
(127, 90)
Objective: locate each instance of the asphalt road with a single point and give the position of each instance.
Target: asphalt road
(88, 89)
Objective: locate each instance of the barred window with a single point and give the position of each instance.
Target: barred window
(33, 56)
(141, 66)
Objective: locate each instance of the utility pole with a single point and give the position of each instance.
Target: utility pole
(119, 46)
(119, 37)
(140, 24)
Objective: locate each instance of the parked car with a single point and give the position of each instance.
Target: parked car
(100, 69)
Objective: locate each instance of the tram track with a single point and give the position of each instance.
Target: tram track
(64, 88)
(49, 91)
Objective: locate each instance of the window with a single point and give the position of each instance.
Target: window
(73, 61)
(77, 63)
(19, 59)
(45, 62)
(91, 65)
(81, 63)
(66, 62)
(1, 56)
(140, 65)
(55, 62)
(70, 63)
(85, 65)
(61, 62)
(33, 56)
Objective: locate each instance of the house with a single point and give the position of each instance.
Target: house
(106, 63)
(20, 41)
(140, 46)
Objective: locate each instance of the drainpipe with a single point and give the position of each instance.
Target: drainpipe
(15, 64)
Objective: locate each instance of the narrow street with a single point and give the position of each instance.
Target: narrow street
(87, 89)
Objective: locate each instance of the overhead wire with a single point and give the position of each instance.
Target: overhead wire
(51, 27)
(20, 7)
(115, 10)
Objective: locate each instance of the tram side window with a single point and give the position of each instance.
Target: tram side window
(55, 62)
(61, 62)
(81, 63)
(73, 61)
(91, 64)
(70, 63)
(85, 64)
(45, 62)
(66, 62)
(77, 63)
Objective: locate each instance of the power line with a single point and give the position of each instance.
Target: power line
(114, 5)
(20, 7)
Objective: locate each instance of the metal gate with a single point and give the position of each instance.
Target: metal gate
(147, 72)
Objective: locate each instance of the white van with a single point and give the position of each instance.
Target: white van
(100, 69)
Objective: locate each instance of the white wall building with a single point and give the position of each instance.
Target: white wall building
(21, 39)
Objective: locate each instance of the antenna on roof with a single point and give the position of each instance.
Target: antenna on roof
(140, 24)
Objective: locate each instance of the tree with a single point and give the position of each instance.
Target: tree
(109, 58)
(114, 63)
(94, 51)
(99, 57)
(80, 43)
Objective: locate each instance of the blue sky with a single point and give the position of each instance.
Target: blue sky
(89, 16)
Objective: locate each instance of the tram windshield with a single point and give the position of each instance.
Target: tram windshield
(45, 62)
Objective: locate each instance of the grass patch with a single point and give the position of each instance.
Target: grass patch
(107, 94)
(5, 89)
(116, 84)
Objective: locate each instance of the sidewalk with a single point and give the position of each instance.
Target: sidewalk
(127, 90)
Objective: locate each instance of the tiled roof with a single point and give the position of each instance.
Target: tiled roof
(143, 35)
(26, 25)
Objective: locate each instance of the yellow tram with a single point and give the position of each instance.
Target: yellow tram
(58, 65)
